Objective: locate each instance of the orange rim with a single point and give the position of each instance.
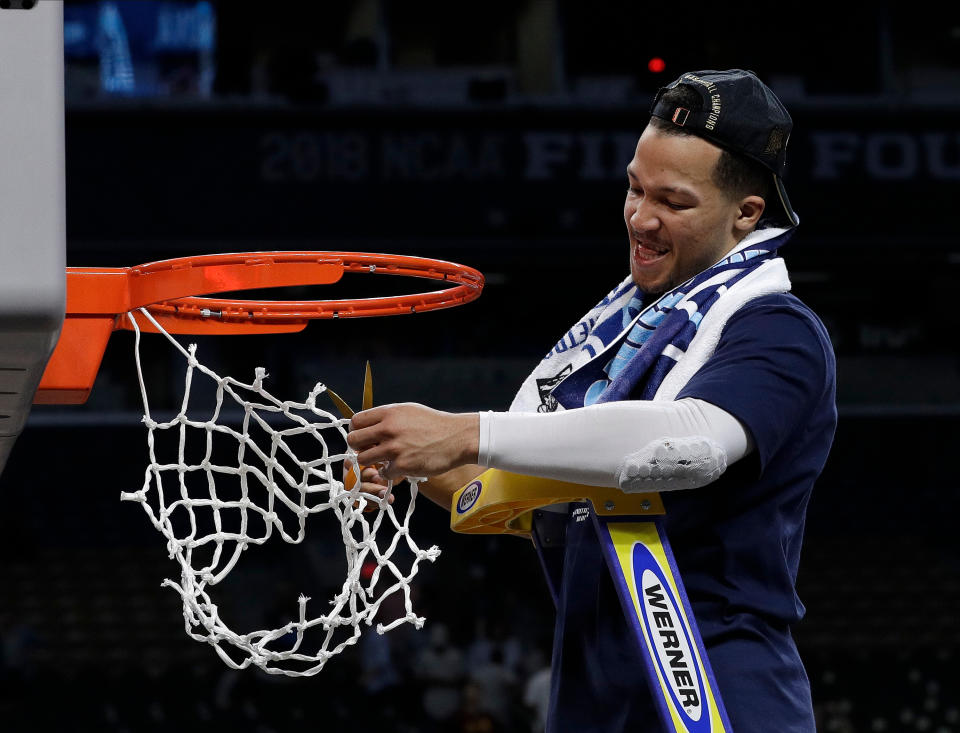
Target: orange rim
(99, 297)
(464, 285)
(172, 289)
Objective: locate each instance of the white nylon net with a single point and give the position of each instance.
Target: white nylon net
(272, 489)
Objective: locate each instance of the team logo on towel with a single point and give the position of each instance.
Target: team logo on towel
(469, 497)
(548, 403)
(672, 644)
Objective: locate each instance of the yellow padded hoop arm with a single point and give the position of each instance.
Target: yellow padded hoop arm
(500, 502)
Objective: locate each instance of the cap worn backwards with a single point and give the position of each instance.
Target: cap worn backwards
(739, 112)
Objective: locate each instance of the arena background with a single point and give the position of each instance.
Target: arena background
(495, 136)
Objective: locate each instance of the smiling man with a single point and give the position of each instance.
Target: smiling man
(680, 220)
(699, 376)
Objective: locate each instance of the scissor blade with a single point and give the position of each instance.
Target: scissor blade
(367, 389)
(342, 406)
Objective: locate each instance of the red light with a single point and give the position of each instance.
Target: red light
(656, 65)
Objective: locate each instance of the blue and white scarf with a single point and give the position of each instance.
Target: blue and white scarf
(623, 348)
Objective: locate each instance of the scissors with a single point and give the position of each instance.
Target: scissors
(367, 402)
(349, 477)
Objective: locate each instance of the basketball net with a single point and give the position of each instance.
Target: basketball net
(268, 478)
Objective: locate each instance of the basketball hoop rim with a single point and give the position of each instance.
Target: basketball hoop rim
(175, 292)
(179, 288)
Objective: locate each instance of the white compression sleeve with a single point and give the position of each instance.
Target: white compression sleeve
(635, 445)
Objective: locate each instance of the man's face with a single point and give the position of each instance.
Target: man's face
(678, 221)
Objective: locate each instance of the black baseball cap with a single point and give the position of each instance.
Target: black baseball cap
(739, 112)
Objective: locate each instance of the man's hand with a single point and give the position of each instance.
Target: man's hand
(414, 440)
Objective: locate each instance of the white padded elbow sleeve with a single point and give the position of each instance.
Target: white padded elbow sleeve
(672, 463)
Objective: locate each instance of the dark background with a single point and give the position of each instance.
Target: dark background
(494, 136)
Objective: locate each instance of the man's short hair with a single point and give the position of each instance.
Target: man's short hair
(735, 174)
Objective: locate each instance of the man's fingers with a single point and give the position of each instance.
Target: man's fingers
(366, 418)
(364, 438)
(371, 474)
(391, 471)
(377, 454)
(377, 490)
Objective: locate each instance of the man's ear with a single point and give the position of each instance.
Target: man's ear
(750, 210)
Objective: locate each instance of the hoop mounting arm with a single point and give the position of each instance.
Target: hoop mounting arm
(98, 298)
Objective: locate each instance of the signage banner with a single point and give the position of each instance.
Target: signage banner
(655, 604)
(464, 175)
